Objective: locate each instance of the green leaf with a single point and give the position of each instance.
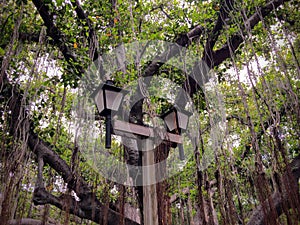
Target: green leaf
(59, 2)
(2, 52)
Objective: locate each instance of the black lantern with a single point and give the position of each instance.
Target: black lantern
(108, 98)
(176, 121)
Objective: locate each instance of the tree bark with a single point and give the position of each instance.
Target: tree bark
(278, 200)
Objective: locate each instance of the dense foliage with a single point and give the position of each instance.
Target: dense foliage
(252, 49)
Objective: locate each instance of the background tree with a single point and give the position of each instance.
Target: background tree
(253, 47)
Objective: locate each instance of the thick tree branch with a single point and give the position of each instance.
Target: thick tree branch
(93, 42)
(279, 201)
(234, 42)
(191, 86)
(88, 202)
(184, 40)
(57, 36)
(89, 210)
(226, 7)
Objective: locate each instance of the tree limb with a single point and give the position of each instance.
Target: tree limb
(93, 210)
(88, 203)
(220, 55)
(57, 36)
(226, 7)
(234, 42)
(93, 41)
(278, 200)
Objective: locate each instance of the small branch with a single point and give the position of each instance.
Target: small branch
(29, 37)
(164, 12)
(263, 128)
(175, 197)
(238, 118)
(32, 37)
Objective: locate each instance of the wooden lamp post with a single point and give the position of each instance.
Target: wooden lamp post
(108, 98)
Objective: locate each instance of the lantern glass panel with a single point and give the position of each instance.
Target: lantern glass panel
(183, 120)
(113, 99)
(170, 121)
(100, 101)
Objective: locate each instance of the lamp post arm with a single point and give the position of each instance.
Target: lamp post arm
(125, 127)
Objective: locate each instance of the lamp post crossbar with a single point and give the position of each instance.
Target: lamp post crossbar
(132, 128)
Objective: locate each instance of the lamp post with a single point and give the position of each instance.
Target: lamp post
(176, 121)
(108, 98)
